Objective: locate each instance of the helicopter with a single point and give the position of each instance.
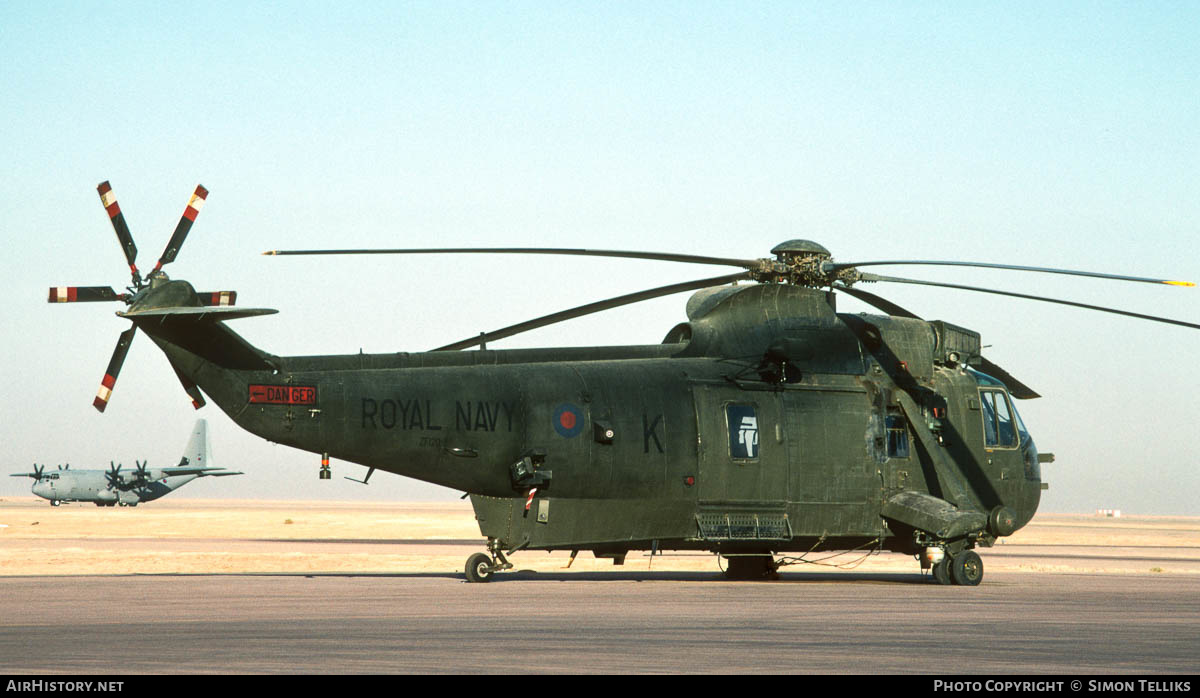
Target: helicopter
(766, 425)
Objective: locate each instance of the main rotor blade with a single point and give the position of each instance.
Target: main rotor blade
(114, 369)
(185, 224)
(871, 299)
(109, 200)
(831, 266)
(659, 256)
(83, 294)
(1015, 387)
(1140, 316)
(594, 308)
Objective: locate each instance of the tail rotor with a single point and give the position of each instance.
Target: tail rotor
(140, 286)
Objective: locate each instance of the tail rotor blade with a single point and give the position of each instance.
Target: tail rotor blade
(114, 369)
(118, 222)
(218, 298)
(185, 224)
(189, 387)
(83, 294)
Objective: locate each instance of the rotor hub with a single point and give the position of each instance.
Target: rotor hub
(802, 263)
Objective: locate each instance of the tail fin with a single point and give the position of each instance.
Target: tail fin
(196, 453)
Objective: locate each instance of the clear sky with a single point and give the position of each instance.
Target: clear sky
(1054, 134)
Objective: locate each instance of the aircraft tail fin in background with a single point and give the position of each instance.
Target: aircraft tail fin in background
(197, 452)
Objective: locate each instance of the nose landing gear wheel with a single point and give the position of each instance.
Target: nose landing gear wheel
(479, 568)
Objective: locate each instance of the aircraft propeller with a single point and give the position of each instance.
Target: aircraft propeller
(141, 477)
(113, 475)
(37, 474)
(139, 285)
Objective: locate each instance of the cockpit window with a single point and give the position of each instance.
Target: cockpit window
(999, 425)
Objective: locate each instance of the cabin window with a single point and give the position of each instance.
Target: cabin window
(742, 420)
(897, 434)
(999, 425)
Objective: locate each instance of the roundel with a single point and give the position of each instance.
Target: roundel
(568, 420)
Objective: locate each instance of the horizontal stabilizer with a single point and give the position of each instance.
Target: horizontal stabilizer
(212, 313)
(188, 470)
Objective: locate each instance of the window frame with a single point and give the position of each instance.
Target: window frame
(730, 434)
(1013, 420)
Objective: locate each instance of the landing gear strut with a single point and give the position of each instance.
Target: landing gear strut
(482, 566)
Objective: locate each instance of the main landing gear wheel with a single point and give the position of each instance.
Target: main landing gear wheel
(479, 568)
(966, 569)
(750, 567)
(941, 571)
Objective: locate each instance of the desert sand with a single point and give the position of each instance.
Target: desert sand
(199, 536)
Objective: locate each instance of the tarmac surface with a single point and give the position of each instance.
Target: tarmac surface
(233, 587)
(646, 622)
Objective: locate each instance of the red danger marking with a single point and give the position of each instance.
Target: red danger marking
(283, 394)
